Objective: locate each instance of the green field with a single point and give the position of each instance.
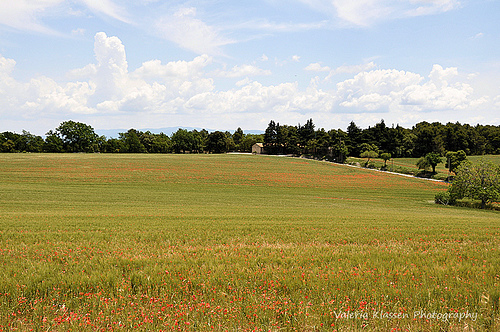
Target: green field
(409, 165)
(92, 242)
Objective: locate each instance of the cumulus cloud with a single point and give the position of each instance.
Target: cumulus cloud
(154, 69)
(191, 33)
(186, 91)
(386, 90)
(354, 69)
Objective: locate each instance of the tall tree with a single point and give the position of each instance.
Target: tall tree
(433, 159)
(77, 137)
(218, 142)
(454, 159)
(132, 142)
(271, 137)
(53, 143)
(183, 140)
(238, 136)
(353, 140)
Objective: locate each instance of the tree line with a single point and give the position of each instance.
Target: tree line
(335, 144)
(422, 139)
(71, 136)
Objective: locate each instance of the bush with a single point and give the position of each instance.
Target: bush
(444, 198)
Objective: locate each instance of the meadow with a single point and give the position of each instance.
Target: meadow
(237, 243)
(409, 165)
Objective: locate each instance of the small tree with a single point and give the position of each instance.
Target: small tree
(385, 156)
(423, 163)
(454, 159)
(479, 181)
(433, 159)
(369, 155)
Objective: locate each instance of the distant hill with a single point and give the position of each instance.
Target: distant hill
(114, 133)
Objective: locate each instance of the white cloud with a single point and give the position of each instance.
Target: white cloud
(391, 90)
(184, 29)
(355, 68)
(278, 27)
(368, 12)
(317, 67)
(26, 14)
(242, 71)
(296, 58)
(23, 14)
(179, 69)
(78, 32)
(186, 91)
(107, 7)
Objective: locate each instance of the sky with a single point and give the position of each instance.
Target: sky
(220, 64)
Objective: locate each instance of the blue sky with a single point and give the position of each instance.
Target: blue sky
(223, 64)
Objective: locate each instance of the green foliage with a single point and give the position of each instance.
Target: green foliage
(479, 181)
(132, 143)
(53, 143)
(218, 142)
(368, 154)
(334, 144)
(423, 163)
(433, 159)
(385, 157)
(238, 136)
(77, 137)
(444, 198)
(183, 141)
(454, 159)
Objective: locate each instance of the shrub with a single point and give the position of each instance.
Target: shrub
(444, 198)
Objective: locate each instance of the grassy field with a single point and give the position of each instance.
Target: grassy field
(409, 165)
(237, 243)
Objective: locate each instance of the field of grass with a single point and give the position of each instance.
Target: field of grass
(408, 165)
(92, 242)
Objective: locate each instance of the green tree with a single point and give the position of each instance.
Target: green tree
(368, 151)
(249, 140)
(369, 154)
(479, 181)
(238, 137)
(353, 140)
(454, 159)
(161, 144)
(306, 133)
(423, 163)
(32, 143)
(433, 159)
(113, 145)
(385, 156)
(8, 146)
(218, 142)
(199, 140)
(132, 142)
(271, 137)
(77, 137)
(183, 140)
(53, 143)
